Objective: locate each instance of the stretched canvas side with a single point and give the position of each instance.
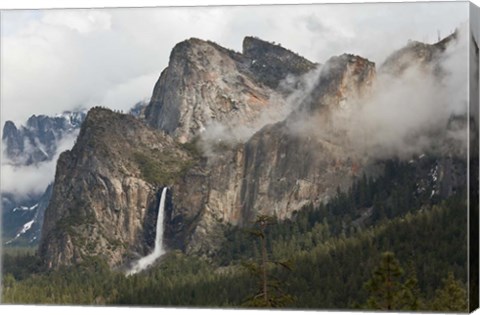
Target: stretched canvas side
(473, 156)
(342, 174)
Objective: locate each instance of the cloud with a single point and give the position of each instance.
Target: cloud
(423, 109)
(32, 180)
(55, 60)
(403, 114)
(125, 95)
(81, 21)
(216, 133)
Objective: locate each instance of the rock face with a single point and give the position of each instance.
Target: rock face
(102, 192)
(106, 188)
(271, 63)
(35, 145)
(281, 168)
(207, 83)
(342, 77)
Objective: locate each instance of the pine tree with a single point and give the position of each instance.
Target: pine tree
(271, 291)
(387, 289)
(410, 296)
(452, 297)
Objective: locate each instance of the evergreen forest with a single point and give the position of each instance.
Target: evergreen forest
(384, 244)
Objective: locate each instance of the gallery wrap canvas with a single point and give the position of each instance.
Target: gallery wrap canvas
(297, 157)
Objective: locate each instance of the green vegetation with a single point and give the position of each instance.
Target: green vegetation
(387, 290)
(20, 264)
(368, 203)
(18, 251)
(192, 147)
(161, 167)
(451, 297)
(366, 248)
(330, 274)
(270, 290)
(81, 216)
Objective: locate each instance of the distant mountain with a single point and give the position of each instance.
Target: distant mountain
(138, 110)
(22, 225)
(38, 140)
(34, 144)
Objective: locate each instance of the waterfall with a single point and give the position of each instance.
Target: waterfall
(158, 250)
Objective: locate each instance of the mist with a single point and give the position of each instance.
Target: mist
(113, 57)
(279, 107)
(109, 57)
(423, 109)
(32, 180)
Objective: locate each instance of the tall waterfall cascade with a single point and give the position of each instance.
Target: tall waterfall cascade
(158, 249)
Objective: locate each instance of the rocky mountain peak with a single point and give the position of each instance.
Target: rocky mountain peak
(9, 130)
(342, 77)
(36, 142)
(417, 53)
(38, 139)
(198, 50)
(35, 121)
(272, 63)
(12, 139)
(279, 170)
(105, 192)
(205, 83)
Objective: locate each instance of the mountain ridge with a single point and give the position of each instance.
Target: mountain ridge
(276, 170)
(206, 83)
(33, 145)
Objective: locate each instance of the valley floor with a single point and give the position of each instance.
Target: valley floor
(327, 271)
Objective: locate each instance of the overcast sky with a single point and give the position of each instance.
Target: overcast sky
(55, 60)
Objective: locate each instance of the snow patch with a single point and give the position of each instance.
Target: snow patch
(25, 208)
(27, 226)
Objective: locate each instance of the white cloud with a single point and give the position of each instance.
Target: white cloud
(81, 21)
(24, 181)
(61, 59)
(125, 95)
(55, 60)
(403, 114)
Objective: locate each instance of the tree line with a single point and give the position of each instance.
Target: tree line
(358, 251)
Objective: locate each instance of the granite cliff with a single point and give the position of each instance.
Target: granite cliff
(206, 83)
(106, 188)
(281, 168)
